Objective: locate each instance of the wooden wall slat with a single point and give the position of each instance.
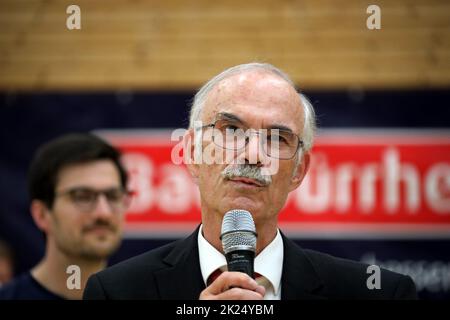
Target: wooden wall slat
(178, 45)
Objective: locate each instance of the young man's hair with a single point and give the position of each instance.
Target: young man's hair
(70, 149)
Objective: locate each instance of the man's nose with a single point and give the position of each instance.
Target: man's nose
(102, 207)
(254, 153)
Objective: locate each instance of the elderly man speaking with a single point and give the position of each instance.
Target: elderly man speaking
(261, 130)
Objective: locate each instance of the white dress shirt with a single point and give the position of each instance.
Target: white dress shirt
(268, 263)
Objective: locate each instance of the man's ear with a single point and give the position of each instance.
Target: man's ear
(300, 171)
(189, 154)
(41, 215)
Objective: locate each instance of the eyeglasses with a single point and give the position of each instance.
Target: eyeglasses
(276, 143)
(86, 199)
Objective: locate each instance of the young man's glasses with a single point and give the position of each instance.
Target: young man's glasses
(86, 199)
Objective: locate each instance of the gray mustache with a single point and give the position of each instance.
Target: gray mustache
(250, 171)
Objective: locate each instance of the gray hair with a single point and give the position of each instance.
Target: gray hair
(200, 98)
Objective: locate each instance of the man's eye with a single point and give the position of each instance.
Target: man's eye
(83, 196)
(114, 195)
(276, 138)
(230, 127)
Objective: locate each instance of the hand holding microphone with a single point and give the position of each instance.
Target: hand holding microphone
(239, 244)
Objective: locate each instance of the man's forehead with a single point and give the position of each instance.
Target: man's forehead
(97, 173)
(251, 81)
(259, 94)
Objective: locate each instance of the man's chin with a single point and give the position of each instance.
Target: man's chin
(101, 249)
(244, 203)
(97, 253)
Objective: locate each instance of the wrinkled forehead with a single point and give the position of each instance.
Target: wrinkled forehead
(256, 94)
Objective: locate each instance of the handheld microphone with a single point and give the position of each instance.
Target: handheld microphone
(239, 241)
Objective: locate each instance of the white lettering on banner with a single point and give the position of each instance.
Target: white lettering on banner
(141, 171)
(438, 180)
(175, 191)
(175, 194)
(315, 195)
(344, 177)
(369, 174)
(324, 187)
(395, 172)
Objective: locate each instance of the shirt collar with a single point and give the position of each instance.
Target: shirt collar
(268, 263)
(210, 258)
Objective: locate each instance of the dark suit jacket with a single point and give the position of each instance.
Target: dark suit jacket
(173, 272)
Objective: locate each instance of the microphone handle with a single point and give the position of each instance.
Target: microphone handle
(241, 261)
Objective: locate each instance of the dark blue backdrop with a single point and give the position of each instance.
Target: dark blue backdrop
(28, 120)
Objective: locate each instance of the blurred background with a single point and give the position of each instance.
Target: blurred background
(133, 67)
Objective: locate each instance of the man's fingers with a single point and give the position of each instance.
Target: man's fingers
(240, 294)
(233, 286)
(229, 280)
(261, 290)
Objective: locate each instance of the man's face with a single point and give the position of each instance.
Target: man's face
(260, 101)
(77, 231)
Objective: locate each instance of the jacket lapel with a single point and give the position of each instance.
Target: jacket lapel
(182, 279)
(299, 279)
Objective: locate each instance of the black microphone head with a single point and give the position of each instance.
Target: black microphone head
(238, 231)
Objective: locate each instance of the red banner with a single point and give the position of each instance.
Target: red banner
(379, 183)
